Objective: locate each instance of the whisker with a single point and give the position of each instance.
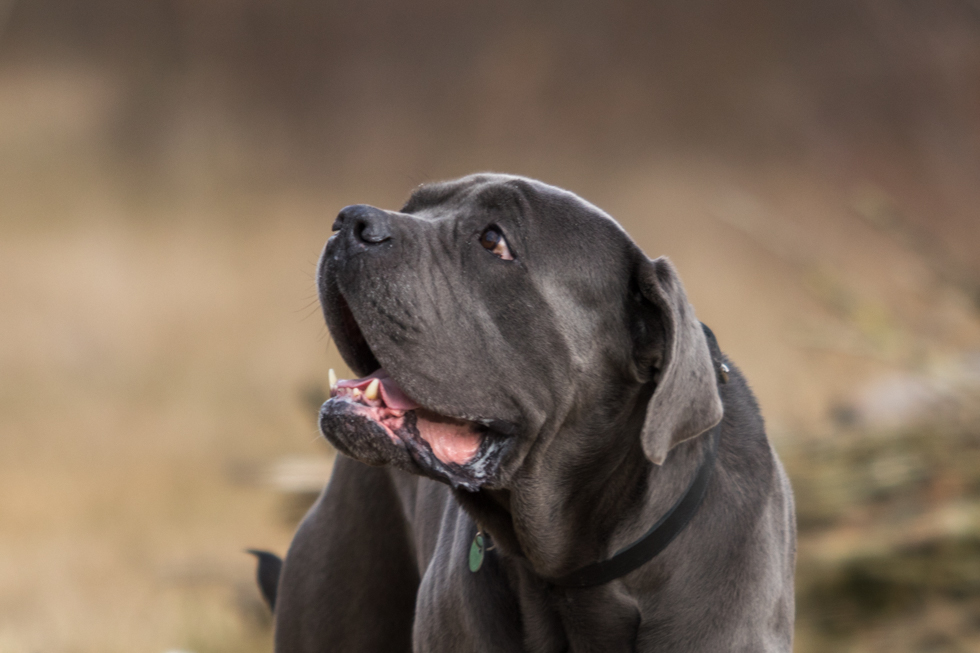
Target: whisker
(312, 309)
(313, 301)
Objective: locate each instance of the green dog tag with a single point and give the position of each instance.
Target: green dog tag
(476, 552)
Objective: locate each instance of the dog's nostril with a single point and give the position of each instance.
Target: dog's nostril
(346, 215)
(372, 231)
(365, 224)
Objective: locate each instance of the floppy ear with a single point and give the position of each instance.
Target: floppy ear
(685, 403)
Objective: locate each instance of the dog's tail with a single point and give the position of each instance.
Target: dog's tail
(267, 575)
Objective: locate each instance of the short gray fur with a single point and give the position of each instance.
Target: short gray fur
(599, 382)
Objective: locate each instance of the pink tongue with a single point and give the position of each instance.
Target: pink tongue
(391, 393)
(452, 441)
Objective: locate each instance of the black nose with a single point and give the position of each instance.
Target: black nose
(363, 224)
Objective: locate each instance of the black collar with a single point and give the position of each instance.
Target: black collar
(669, 525)
(672, 522)
(657, 538)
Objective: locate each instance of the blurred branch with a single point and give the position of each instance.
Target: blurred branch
(872, 330)
(882, 212)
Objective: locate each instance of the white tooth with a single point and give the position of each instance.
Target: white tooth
(372, 390)
(333, 379)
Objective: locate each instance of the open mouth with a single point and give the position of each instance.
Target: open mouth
(379, 398)
(373, 419)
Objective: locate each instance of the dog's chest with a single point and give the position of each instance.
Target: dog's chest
(494, 609)
(459, 610)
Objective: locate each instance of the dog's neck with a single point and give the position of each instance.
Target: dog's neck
(616, 503)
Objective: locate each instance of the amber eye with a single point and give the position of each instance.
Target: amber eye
(493, 240)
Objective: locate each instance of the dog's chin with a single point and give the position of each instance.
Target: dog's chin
(371, 420)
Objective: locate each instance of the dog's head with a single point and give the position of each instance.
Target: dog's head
(491, 315)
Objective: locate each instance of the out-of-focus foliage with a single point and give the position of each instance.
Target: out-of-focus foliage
(890, 535)
(314, 87)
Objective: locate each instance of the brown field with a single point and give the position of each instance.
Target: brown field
(161, 345)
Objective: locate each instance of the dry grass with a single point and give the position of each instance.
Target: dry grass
(143, 366)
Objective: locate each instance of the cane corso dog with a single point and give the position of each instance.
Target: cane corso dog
(545, 451)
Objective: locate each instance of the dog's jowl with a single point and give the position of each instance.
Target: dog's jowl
(544, 451)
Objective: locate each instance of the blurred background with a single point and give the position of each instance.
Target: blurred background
(169, 170)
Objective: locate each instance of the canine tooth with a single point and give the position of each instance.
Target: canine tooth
(332, 376)
(371, 393)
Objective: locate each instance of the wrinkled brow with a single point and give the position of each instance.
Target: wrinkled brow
(499, 197)
(430, 195)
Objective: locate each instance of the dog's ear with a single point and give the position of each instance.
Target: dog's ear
(685, 402)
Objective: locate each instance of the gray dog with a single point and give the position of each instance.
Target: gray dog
(546, 451)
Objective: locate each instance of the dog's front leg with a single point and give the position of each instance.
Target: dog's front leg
(350, 579)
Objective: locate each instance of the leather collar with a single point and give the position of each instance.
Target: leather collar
(657, 538)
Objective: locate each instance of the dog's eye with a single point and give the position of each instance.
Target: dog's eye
(493, 240)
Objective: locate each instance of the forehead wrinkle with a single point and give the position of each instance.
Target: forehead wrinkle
(429, 195)
(460, 234)
(443, 192)
(519, 199)
(496, 196)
